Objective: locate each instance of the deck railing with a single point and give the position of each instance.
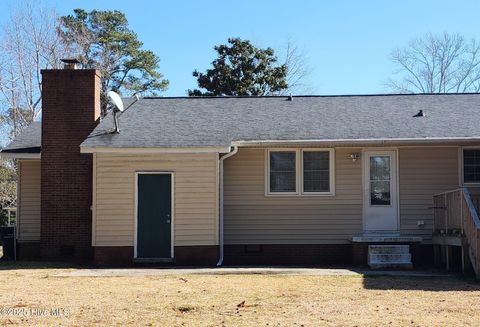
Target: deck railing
(476, 200)
(455, 214)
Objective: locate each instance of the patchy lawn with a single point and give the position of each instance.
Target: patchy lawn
(36, 297)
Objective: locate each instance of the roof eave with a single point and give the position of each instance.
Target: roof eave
(33, 152)
(386, 141)
(19, 155)
(32, 149)
(155, 150)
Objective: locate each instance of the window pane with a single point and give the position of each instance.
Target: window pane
(471, 166)
(380, 168)
(380, 193)
(282, 172)
(380, 180)
(316, 175)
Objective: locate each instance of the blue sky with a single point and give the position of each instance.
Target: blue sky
(347, 42)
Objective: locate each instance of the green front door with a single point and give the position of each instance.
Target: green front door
(154, 216)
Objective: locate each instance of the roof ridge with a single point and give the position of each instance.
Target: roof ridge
(307, 96)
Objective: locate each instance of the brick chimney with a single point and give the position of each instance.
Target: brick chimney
(70, 112)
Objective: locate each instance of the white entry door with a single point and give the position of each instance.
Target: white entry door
(380, 192)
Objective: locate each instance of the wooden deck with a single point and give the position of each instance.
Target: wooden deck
(456, 224)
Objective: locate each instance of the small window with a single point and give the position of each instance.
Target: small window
(283, 171)
(471, 165)
(316, 171)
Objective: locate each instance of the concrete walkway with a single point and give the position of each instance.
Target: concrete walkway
(131, 272)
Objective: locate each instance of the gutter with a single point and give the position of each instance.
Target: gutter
(154, 150)
(220, 223)
(391, 141)
(33, 152)
(14, 155)
(33, 149)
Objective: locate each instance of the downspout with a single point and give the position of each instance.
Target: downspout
(220, 222)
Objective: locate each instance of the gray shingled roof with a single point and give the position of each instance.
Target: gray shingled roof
(29, 140)
(189, 122)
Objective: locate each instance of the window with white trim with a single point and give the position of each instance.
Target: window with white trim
(283, 171)
(300, 172)
(316, 171)
(471, 166)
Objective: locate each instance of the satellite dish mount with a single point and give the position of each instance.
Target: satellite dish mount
(117, 103)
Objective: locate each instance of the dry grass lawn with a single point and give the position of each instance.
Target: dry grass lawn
(235, 300)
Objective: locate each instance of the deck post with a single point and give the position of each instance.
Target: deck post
(446, 212)
(462, 199)
(476, 255)
(436, 255)
(447, 257)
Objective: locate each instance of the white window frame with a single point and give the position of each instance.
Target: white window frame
(331, 172)
(299, 172)
(267, 172)
(460, 166)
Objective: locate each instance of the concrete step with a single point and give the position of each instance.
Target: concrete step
(386, 256)
(390, 257)
(379, 249)
(399, 266)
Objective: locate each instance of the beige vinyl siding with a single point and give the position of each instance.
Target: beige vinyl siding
(195, 194)
(29, 200)
(423, 173)
(253, 218)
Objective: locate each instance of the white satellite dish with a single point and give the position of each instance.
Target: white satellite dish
(116, 100)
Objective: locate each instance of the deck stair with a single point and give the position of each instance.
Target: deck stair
(456, 223)
(389, 256)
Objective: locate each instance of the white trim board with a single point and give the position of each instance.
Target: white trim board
(93, 208)
(154, 150)
(288, 143)
(11, 155)
(19, 206)
(461, 180)
(381, 141)
(172, 237)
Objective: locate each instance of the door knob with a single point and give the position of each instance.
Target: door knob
(168, 221)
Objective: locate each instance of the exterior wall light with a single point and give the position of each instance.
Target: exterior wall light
(354, 156)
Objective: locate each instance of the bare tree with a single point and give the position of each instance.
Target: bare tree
(437, 64)
(298, 69)
(29, 42)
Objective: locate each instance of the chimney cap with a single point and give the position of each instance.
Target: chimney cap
(70, 61)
